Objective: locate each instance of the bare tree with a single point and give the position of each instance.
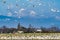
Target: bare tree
(30, 29)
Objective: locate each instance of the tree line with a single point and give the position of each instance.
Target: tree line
(30, 29)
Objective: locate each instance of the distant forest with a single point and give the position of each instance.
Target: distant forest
(30, 29)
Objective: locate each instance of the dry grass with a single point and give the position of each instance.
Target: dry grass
(31, 34)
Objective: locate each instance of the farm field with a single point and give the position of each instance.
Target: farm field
(30, 36)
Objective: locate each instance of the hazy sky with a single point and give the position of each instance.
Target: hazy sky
(35, 12)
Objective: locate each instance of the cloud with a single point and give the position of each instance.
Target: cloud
(21, 10)
(40, 4)
(15, 12)
(55, 10)
(20, 13)
(32, 13)
(9, 14)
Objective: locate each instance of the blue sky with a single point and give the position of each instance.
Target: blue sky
(35, 12)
